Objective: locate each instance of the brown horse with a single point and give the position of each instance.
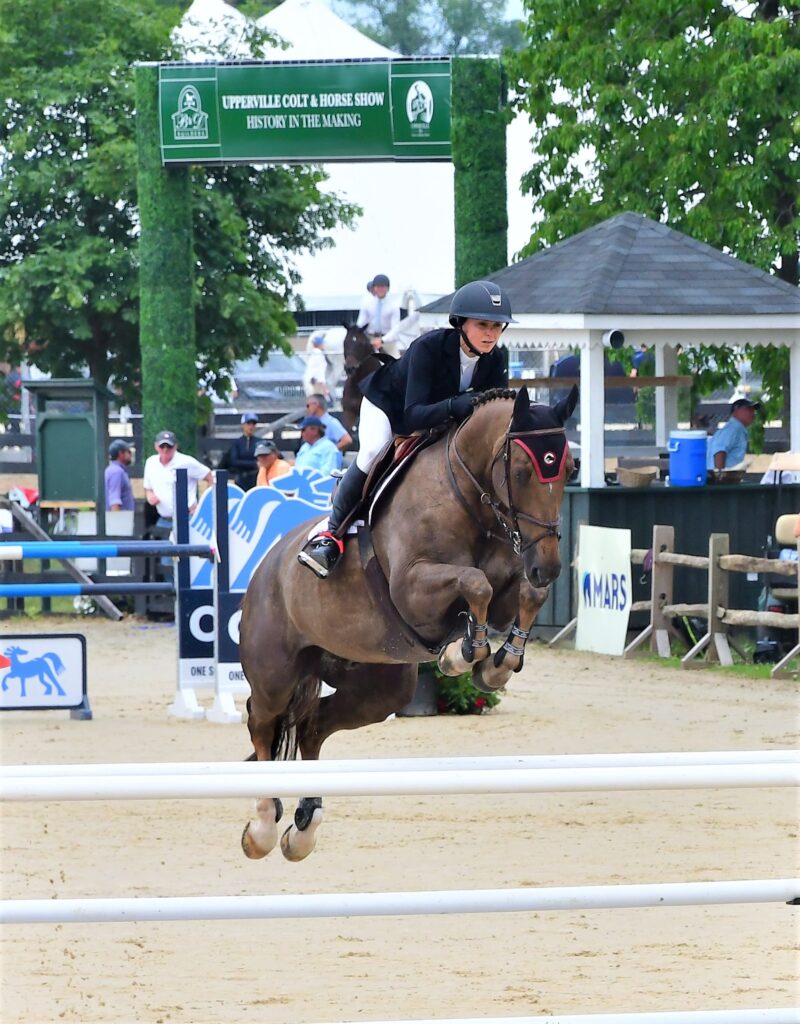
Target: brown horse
(360, 360)
(470, 533)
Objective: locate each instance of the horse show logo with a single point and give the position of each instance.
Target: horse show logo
(189, 122)
(42, 671)
(607, 590)
(419, 108)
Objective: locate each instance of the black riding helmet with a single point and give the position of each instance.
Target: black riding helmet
(480, 300)
(380, 279)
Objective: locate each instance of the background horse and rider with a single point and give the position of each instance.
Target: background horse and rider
(466, 539)
(360, 360)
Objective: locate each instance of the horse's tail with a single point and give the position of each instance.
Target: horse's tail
(301, 708)
(58, 664)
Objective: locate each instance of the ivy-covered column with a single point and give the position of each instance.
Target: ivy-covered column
(166, 280)
(478, 133)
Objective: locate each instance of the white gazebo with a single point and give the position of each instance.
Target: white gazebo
(657, 287)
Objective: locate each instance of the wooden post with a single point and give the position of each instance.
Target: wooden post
(661, 590)
(715, 641)
(657, 632)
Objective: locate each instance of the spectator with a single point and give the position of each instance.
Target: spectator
(315, 376)
(119, 493)
(642, 363)
(728, 447)
(159, 477)
(241, 454)
(271, 464)
(334, 431)
(316, 451)
(379, 313)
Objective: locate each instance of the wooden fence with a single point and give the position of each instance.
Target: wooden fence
(715, 644)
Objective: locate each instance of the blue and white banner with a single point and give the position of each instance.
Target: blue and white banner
(44, 671)
(604, 589)
(256, 520)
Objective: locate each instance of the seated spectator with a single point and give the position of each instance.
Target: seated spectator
(316, 451)
(728, 447)
(271, 464)
(334, 431)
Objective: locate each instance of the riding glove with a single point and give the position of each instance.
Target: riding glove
(461, 407)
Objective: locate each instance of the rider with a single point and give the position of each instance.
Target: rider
(379, 313)
(426, 387)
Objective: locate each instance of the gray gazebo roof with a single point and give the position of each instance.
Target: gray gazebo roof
(632, 266)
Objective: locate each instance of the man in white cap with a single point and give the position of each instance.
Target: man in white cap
(728, 447)
(159, 476)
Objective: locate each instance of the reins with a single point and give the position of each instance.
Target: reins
(507, 515)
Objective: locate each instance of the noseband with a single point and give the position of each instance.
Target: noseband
(507, 515)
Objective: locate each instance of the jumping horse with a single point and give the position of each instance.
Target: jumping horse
(467, 539)
(360, 360)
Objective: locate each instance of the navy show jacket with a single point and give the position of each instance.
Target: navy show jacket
(414, 391)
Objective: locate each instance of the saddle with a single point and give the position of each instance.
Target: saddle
(388, 469)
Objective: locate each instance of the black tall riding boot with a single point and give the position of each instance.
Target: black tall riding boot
(322, 554)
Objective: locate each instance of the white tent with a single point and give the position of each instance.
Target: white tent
(407, 229)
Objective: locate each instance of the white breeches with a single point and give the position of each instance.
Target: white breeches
(374, 433)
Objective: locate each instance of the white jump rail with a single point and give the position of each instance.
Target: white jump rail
(396, 904)
(788, 1016)
(426, 764)
(400, 783)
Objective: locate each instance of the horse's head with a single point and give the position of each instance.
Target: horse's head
(356, 346)
(529, 462)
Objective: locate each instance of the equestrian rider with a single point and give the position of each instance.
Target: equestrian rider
(432, 383)
(379, 313)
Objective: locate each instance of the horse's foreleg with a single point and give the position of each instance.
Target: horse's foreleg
(494, 674)
(473, 648)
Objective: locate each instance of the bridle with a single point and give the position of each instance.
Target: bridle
(506, 514)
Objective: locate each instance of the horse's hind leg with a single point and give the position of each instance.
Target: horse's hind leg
(260, 834)
(365, 694)
(280, 701)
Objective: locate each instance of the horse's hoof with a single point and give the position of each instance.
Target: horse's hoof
(482, 677)
(260, 834)
(249, 847)
(297, 845)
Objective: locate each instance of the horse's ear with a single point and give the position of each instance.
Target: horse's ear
(522, 410)
(566, 406)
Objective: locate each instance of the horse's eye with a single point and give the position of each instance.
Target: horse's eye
(520, 476)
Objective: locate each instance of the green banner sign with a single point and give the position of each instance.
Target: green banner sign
(298, 112)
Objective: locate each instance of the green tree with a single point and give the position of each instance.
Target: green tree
(68, 214)
(686, 113)
(417, 27)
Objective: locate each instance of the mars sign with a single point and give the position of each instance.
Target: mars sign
(305, 111)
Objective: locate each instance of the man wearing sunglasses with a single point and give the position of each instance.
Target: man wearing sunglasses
(159, 476)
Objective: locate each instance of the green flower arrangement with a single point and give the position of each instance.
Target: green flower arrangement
(455, 695)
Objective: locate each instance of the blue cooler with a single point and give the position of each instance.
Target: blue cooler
(687, 458)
